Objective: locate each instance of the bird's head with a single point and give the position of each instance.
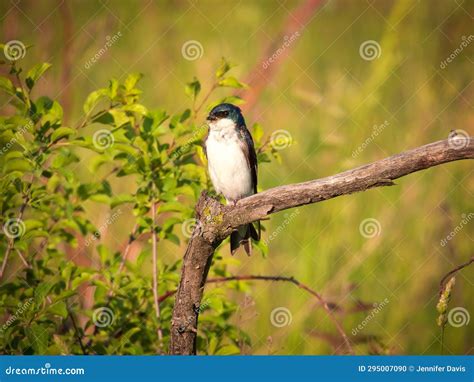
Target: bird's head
(224, 115)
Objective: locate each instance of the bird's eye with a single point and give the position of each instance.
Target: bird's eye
(222, 114)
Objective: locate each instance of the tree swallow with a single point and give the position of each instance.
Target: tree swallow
(232, 164)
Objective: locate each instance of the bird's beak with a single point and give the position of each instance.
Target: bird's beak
(211, 118)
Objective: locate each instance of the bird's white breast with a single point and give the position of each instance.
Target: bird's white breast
(228, 168)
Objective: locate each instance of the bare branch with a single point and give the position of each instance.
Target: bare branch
(448, 275)
(216, 222)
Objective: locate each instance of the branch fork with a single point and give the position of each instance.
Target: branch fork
(215, 221)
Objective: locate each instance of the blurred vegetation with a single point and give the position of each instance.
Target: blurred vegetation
(321, 91)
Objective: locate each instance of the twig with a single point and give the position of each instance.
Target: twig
(22, 258)
(448, 275)
(204, 100)
(11, 241)
(299, 285)
(76, 331)
(131, 239)
(154, 240)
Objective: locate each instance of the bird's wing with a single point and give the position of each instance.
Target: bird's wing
(248, 148)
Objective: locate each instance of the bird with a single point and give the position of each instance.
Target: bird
(232, 165)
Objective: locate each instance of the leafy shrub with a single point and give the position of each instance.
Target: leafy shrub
(46, 225)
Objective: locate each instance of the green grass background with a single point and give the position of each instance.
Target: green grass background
(328, 98)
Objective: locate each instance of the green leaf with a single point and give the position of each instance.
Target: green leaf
(7, 86)
(193, 88)
(31, 224)
(17, 164)
(58, 308)
(113, 88)
(121, 199)
(35, 73)
(132, 80)
(136, 108)
(231, 82)
(224, 67)
(41, 291)
(38, 338)
(228, 350)
(257, 132)
(62, 132)
(50, 110)
(120, 117)
(93, 99)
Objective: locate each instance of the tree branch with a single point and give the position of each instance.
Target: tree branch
(215, 221)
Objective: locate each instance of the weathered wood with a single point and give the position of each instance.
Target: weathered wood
(215, 221)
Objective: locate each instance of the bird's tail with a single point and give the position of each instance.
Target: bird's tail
(242, 235)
